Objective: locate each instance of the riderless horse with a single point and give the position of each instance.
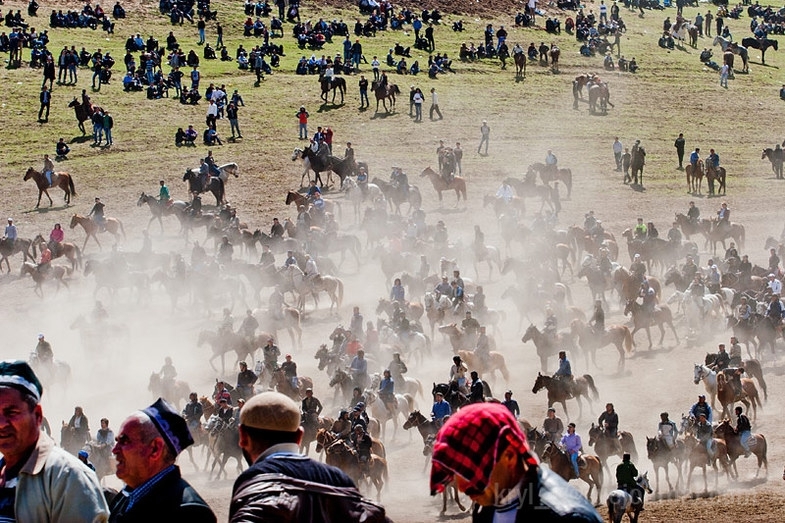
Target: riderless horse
(338, 84)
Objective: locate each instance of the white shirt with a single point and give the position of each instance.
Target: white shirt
(617, 147)
(212, 110)
(417, 98)
(434, 98)
(603, 9)
(217, 95)
(776, 286)
(505, 193)
(10, 232)
(310, 267)
(375, 63)
(328, 74)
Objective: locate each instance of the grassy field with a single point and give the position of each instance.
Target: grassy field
(672, 93)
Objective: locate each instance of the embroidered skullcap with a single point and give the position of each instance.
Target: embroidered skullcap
(271, 411)
(170, 425)
(17, 374)
(469, 445)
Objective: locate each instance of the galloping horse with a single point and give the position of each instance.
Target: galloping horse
(552, 173)
(590, 341)
(83, 113)
(606, 445)
(590, 472)
(644, 320)
(298, 199)
(56, 273)
(694, 177)
(384, 93)
(345, 458)
(195, 185)
(728, 396)
(756, 442)
(761, 44)
(545, 344)
(173, 391)
(111, 225)
(458, 184)
(560, 390)
(160, 209)
(338, 84)
(495, 362)
(59, 179)
(662, 456)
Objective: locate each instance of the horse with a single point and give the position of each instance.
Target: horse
(215, 186)
(425, 426)
(662, 456)
(719, 233)
(221, 343)
(606, 445)
(599, 94)
(761, 44)
(55, 272)
(741, 50)
(322, 162)
(343, 383)
(643, 319)
(384, 93)
(520, 65)
(709, 378)
(545, 344)
(62, 180)
(172, 391)
(435, 310)
(776, 161)
(283, 384)
(83, 112)
(338, 84)
(290, 320)
(403, 403)
(694, 177)
(416, 344)
(19, 245)
(69, 250)
(91, 229)
(620, 502)
(560, 390)
(495, 362)
(312, 424)
(101, 457)
(552, 174)
(411, 386)
(590, 469)
(757, 444)
(455, 396)
(554, 53)
(160, 209)
(223, 444)
(329, 361)
(717, 174)
(298, 199)
(751, 367)
(590, 341)
(728, 396)
(345, 458)
(357, 196)
(699, 457)
(325, 437)
(396, 195)
(457, 184)
(598, 283)
(303, 285)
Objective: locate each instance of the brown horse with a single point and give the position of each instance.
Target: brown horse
(20, 245)
(91, 229)
(62, 180)
(606, 445)
(284, 385)
(590, 469)
(560, 390)
(83, 112)
(728, 396)
(69, 250)
(590, 341)
(546, 345)
(55, 272)
(457, 184)
(495, 362)
(757, 444)
(341, 455)
(694, 177)
(520, 65)
(717, 174)
(644, 320)
(384, 93)
(552, 173)
(699, 457)
(298, 199)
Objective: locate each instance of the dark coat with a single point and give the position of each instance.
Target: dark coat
(171, 499)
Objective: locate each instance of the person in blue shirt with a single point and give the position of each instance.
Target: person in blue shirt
(694, 157)
(511, 404)
(701, 408)
(441, 409)
(387, 392)
(565, 370)
(398, 293)
(290, 260)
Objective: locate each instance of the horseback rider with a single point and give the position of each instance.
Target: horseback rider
(511, 404)
(168, 374)
(735, 352)
(212, 167)
(276, 304)
(97, 212)
(564, 372)
(638, 268)
(470, 325)
(667, 431)
(550, 162)
(48, 170)
(479, 301)
(774, 285)
(442, 289)
(245, 381)
(270, 354)
(572, 445)
(221, 392)
(693, 213)
(342, 427)
(311, 406)
(43, 352)
(457, 296)
(674, 234)
(609, 421)
(598, 319)
(362, 443)
(227, 323)
(551, 324)
(249, 325)
(289, 369)
(626, 474)
(56, 238)
(440, 410)
(479, 243)
(362, 179)
(387, 392)
(225, 411)
(458, 374)
(290, 260)
(397, 368)
(732, 252)
(640, 230)
(721, 360)
(697, 290)
(193, 413)
(359, 369)
(477, 389)
(701, 407)
(605, 264)
(723, 214)
(713, 279)
(774, 312)
(164, 198)
(649, 297)
(400, 181)
(552, 426)
(705, 434)
(743, 430)
(505, 192)
(359, 416)
(689, 269)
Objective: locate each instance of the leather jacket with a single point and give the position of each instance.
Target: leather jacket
(552, 500)
(280, 498)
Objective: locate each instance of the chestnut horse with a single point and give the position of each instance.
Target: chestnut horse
(59, 179)
(112, 225)
(694, 177)
(590, 470)
(69, 250)
(458, 184)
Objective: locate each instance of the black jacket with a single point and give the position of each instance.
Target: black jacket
(171, 499)
(551, 500)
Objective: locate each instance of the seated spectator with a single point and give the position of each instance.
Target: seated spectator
(415, 68)
(211, 137)
(118, 11)
(402, 51)
(401, 68)
(242, 62)
(623, 64)
(302, 67)
(531, 52)
(190, 136)
(633, 65)
(457, 26)
(608, 62)
(62, 149)
(225, 55)
(390, 59)
(782, 93)
(433, 70)
(191, 97)
(179, 137)
(209, 52)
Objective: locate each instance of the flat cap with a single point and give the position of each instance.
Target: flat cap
(271, 411)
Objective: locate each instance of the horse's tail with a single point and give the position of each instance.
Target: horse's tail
(590, 381)
(628, 341)
(339, 284)
(78, 256)
(221, 190)
(122, 228)
(71, 187)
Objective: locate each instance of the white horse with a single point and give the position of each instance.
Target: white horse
(298, 154)
(404, 405)
(415, 343)
(225, 171)
(699, 309)
(621, 502)
(410, 386)
(356, 195)
(709, 377)
(313, 285)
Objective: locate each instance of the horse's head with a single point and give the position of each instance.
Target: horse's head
(338, 376)
(652, 446)
(30, 173)
(531, 331)
(643, 482)
(539, 383)
(74, 103)
(297, 153)
(594, 433)
(189, 173)
(428, 172)
(700, 372)
(142, 199)
(414, 419)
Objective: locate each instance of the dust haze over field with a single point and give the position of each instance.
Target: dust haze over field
(670, 95)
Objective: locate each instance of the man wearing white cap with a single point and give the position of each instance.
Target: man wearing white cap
(39, 481)
(282, 484)
(44, 352)
(774, 284)
(10, 233)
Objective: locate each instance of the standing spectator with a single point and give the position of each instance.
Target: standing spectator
(98, 127)
(603, 12)
(708, 18)
(41, 482)
(457, 153)
(281, 483)
(212, 114)
(108, 124)
(357, 54)
(417, 26)
(49, 72)
(418, 100)
(375, 66)
(724, 72)
(363, 84)
(219, 30)
(435, 104)
(412, 90)
(302, 118)
(429, 37)
(626, 160)
(679, 145)
(195, 77)
(46, 100)
(485, 136)
(617, 149)
(200, 26)
(231, 114)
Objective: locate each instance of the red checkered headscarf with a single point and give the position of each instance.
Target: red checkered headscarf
(468, 445)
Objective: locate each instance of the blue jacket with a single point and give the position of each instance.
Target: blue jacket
(564, 368)
(387, 387)
(441, 409)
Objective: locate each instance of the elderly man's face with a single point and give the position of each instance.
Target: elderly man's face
(132, 453)
(19, 424)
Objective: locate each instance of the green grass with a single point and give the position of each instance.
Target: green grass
(672, 93)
